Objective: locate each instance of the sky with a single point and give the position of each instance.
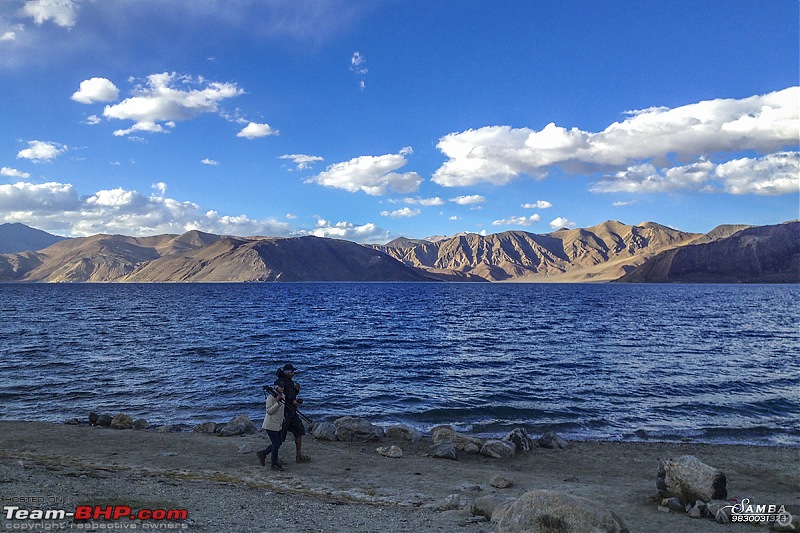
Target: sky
(373, 119)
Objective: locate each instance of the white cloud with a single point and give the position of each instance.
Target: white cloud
(254, 130)
(356, 62)
(160, 102)
(373, 175)
(499, 154)
(426, 202)
(366, 233)
(61, 12)
(623, 204)
(472, 199)
(401, 213)
(96, 90)
(357, 66)
(57, 206)
(13, 173)
(773, 174)
(42, 151)
(93, 120)
(539, 204)
(210, 162)
(770, 175)
(8, 36)
(302, 161)
(517, 221)
(454, 217)
(561, 222)
(37, 200)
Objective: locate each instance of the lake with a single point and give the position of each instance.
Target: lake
(710, 363)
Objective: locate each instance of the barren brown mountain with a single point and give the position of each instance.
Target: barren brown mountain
(197, 256)
(598, 253)
(765, 254)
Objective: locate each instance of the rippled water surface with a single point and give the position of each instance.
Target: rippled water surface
(715, 363)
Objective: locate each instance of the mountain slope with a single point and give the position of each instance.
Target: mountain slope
(196, 257)
(277, 259)
(766, 254)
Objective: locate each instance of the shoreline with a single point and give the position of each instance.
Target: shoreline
(350, 487)
(633, 437)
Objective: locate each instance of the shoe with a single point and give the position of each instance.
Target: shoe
(262, 458)
(277, 467)
(302, 459)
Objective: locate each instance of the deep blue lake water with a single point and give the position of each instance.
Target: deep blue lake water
(712, 363)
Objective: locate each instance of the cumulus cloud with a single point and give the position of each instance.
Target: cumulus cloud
(772, 174)
(13, 173)
(539, 204)
(160, 103)
(405, 212)
(96, 90)
(8, 36)
(42, 151)
(499, 154)
(210, 162)
(302, 161)
(37, 200)
(373, 175)
(517, 221)
(365, 233)
(561, 222)
(93, 120)
(57, 206)
(61, 12)
(254, 130)
(472, 199)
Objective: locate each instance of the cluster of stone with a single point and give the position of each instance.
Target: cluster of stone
(238, 425)
(447, 443)
(120, 421)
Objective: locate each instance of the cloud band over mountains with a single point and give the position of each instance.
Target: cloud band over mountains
(500, 154)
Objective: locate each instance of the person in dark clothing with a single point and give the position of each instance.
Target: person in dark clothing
(292, 422)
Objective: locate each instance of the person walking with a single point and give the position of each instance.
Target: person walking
(293, 402)
(273, 423)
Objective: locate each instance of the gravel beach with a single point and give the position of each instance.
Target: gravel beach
(349, 487)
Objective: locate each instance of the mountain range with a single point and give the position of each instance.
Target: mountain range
(647, 252)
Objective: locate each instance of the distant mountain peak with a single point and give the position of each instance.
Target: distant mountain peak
(16, 237)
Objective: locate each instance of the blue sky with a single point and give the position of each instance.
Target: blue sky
(368, 120)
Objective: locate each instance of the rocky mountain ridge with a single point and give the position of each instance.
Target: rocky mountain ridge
(603, 252)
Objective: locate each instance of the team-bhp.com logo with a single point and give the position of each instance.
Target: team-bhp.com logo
(744, 511)
(85, 513)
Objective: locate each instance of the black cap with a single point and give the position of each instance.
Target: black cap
(289, 367)
(278, 383)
